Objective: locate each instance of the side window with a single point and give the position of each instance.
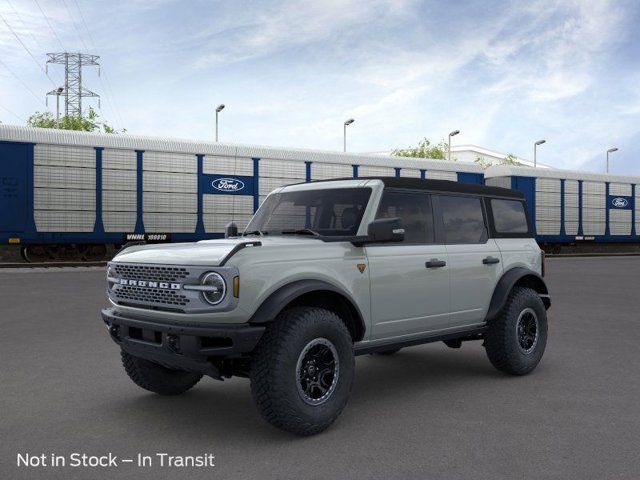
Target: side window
(414, 209)
(509, 216)
(463, 219)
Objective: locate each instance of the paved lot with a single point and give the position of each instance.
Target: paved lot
(428, 412)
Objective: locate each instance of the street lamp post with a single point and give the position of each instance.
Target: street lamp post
(59, 90)
(611, 150)
(535, 152)
(347, 122)
(218, 110)
(452, 134)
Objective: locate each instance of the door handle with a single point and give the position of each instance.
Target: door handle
(490, 260)
(435, 263)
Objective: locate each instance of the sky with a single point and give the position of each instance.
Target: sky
(291, 72)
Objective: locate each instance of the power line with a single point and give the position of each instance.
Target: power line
(24, 25)
(12, 113)
(111, 98)
(27, 49)
(35, 95)
(50, 26)
(75, 27)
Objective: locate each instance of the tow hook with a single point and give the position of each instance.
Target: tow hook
(173, 343)
(114, 331)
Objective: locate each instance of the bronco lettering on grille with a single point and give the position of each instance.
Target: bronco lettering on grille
(149, 284)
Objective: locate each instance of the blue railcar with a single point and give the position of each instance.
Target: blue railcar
(66, 194)
(571, 206)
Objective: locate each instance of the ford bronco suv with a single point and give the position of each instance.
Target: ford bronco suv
(326, 271)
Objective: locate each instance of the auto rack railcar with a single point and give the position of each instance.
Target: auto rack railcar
(66, 194)
(571, 206)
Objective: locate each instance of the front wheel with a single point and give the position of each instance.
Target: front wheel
(516, 340)
(302, 370)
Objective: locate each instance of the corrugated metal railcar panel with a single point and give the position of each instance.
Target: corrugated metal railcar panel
(594, 188)
(571, 228)
(620, 189)
(326, 171)
(282, 169)
(504, 182)
(64, 221)
(440, 175)
(119, 221)
(119, 201)
(119, 180)
(215, 223)
(170, 202)
(64, 199)
(548, 227)
(620, 221)
(371, 171)
(227, 204)
(548, 199)
(64, 177)
(410, 172)
(571, 218)
(571, 200)
(593, 228)
(64, 156)
(547, 185)
(170, 222)
(267, 185)
(227, 165)
(547, 212)
(116, 159)
(594, 201)
(169, 162)
(170, 182)
(571, 186)
(594, 215)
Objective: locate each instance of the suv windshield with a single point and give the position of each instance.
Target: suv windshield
(330, 212)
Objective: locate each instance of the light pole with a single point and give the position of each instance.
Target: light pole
(535, 152)
(218, 110)
(452, 134)
(611, 150)
(347, 122)
(59, 90)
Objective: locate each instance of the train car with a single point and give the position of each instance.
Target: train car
(67, 195)
(572, 207)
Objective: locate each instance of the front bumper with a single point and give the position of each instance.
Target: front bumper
(181, 346)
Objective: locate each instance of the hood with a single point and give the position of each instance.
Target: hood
(205, 252)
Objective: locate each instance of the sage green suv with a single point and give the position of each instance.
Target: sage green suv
(326, 271)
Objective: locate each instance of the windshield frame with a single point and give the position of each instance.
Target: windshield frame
(365, 195)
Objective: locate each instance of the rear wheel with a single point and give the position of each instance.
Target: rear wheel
(156, 378)
(516, 340)
(302, 370)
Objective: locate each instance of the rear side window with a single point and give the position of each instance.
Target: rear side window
(463, 219)
(509, 216)
(414, 209)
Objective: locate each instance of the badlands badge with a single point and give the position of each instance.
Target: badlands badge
(361, 267)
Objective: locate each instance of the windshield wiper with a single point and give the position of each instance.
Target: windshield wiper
(255, 232)
(301, 231)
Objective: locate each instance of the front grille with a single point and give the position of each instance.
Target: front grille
(151, 273)
(151, 295)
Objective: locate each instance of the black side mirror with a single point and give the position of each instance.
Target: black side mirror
(385, 230)
(231, 230)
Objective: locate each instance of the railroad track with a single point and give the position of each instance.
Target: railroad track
(51, 264)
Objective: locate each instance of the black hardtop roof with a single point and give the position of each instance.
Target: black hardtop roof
(448, 186)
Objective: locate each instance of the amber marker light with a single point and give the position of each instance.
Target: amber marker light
(236, 287)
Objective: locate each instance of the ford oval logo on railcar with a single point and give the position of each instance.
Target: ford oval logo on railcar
(228, 184)
(619, 202)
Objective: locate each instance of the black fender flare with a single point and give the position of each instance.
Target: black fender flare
(506, 283)
(278, 300)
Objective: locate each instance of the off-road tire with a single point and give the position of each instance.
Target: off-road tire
(391, 351)
(156, 378)
(274, 379)
(501, 340)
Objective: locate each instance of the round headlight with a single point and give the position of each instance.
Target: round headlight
(216, 288)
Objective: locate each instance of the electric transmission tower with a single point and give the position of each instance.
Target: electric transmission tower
(73, 91)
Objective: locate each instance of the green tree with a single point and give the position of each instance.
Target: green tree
(510, 159)
(425, 149)
(89, 123)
